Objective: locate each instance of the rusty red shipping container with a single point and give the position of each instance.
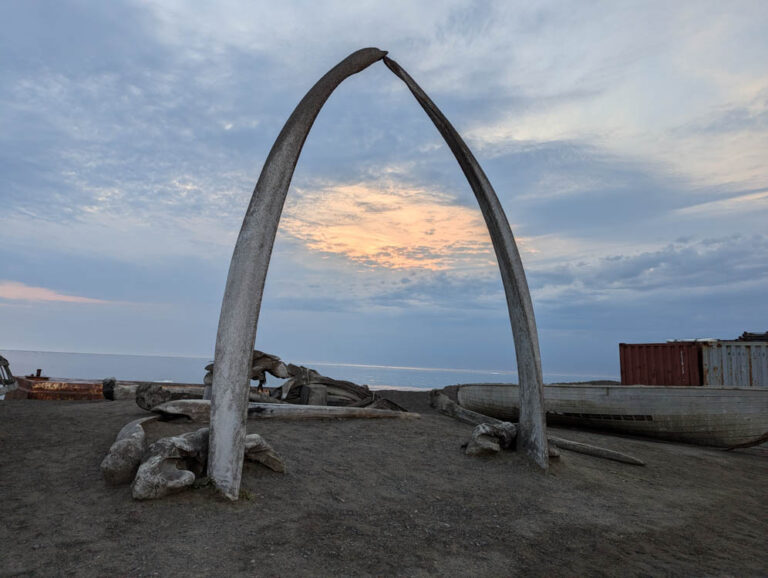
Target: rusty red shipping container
(673, 363)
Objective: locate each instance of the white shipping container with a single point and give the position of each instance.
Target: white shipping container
(735, 363)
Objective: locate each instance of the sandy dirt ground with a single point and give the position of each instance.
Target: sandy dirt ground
(376, 497)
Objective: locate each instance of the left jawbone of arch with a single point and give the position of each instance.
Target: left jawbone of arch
(248, 270)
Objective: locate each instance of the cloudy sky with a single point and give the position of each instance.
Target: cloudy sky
(627, 141)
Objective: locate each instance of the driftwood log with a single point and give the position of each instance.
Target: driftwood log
(198, 410)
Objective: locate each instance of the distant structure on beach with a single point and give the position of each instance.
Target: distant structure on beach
(699, 362)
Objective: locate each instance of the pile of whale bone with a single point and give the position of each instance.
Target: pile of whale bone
(303, 386)
(170, 464)
(175, 463)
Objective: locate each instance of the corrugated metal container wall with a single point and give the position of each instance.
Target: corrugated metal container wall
(735, 363)
(674, 363)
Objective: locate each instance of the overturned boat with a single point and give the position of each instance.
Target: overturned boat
(712, 416)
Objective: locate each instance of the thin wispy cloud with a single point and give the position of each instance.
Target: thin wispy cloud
(750, 202)
(16, 291)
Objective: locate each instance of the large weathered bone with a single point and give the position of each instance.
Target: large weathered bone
(595, 451)
(247, 273)
(150, 395)
(124, 456)
(199, 410)
(160, 473)
(265, 411)
(248, 270)
(447, 406)
(532, 430)
(339, 392)
(261, 364)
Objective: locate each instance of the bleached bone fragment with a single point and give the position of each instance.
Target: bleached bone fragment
(488, 438)
(482, 446)
(258, 450)
(505, 432)
(124, 456)
(595, 451)
(171, 464)
(248, 271)
(149, 395)
(199, 410)
(447, 406)
(532, 428)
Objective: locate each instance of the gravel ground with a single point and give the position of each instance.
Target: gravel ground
(376, 497)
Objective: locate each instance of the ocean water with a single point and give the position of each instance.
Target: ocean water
(191, 370)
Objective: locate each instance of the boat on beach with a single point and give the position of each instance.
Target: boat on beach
(713, 416)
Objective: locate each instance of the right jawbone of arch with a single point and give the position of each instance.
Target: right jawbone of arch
(248, 270)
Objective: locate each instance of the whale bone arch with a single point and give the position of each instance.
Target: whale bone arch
(250, 260)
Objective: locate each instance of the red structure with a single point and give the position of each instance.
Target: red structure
(673, 363)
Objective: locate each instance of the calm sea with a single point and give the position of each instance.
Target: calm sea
(190, 370)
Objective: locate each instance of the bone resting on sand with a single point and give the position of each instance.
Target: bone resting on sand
(492, 435)
(199, 410)
(171, 464)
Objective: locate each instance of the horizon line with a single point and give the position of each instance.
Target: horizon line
(322, 363)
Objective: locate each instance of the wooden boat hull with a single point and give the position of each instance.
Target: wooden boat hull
(713, 416)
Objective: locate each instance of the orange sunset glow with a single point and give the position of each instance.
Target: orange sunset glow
(389, 226)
